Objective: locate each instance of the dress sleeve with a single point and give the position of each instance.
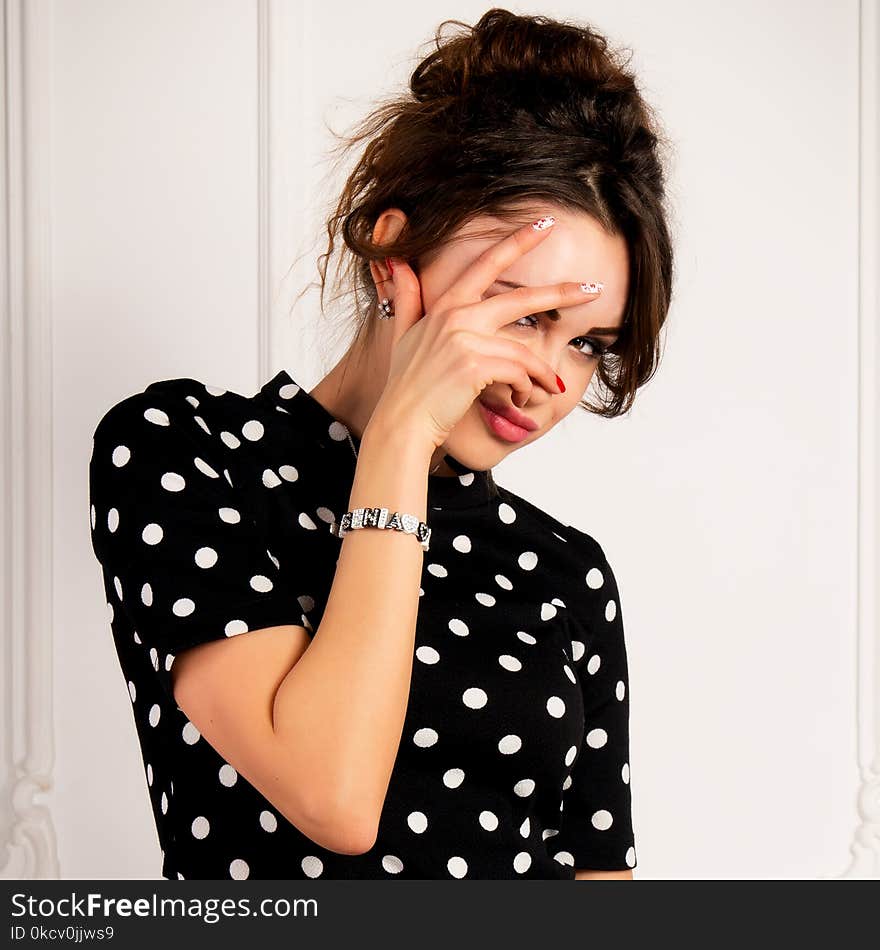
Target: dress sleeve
(596, 821)
(182, 556)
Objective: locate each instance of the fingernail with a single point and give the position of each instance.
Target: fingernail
(543, 223)
(592, 288)
(560, 383)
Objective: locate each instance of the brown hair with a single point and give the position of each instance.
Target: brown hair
(515, 110)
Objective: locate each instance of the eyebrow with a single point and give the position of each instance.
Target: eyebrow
(554, 314)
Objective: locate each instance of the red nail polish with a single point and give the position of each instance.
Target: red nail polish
(560, 383)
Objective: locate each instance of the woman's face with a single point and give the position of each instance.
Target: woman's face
(577, 249)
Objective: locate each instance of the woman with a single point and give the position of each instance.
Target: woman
(316, 696)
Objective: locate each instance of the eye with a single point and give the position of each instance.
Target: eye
(597, 347)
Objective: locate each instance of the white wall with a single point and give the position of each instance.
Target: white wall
(727, 501)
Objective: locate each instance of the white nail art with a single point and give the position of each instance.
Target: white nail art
(592, 288)
(543, 223)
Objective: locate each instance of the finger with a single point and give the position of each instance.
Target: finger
(496, 311)
(496, 347)
(494, 260)
(497, 369)
(406, 292)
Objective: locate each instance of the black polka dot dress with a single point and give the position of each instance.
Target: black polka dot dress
(210, 515)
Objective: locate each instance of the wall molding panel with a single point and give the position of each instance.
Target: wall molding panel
(27, 829)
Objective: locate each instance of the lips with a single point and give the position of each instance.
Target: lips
(512, 415)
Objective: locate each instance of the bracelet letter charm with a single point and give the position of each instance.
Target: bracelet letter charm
(378, 518)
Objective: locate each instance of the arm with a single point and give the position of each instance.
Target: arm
(603, 875)
(315, 726)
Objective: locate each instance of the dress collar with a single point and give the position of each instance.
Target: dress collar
(470, 488)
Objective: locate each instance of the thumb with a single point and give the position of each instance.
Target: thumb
(408, 308)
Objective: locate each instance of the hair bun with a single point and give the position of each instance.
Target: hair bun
(511, 55)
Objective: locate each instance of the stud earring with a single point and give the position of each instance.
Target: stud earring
(386, 309)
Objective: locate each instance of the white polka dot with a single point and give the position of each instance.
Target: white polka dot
(510, 662)
(524, 787)
(306, 522)
(288, 473)
(337, 431)
(312, 866)
(417, 821)
(392, 864)
(487, 600)
(147, 595)
(528, 560)
(190, 733)
(171, 481)
(426, 737)
(631, 857)
(252, 430)
(462, 543)
(438, 570)
(288, 390)
(227, 775)
(118, 585)
(506, 513)
(112, 519)
(556, 707)
(155, 713)
(182, 607)
(157, 417)
(163, 803)
(169, 661)
(204, 468)
(489, 820)
(522, 862)
(595, 578)
(427, 655)
(571, 755)
(602, 819)
(577, 650)
(229, 515)
(261, 583)
(474, 697)
(200, 827)
(594, 663)
(452, 778)
(149, 774)
(569, 672)
(235, 627)
(596, 738)
(564, 857)
(268, 822)
(94, 515)
(202, 423)
(239, 870)
(458, 627)
(214, 390)
(610, 610)
(206, 557)
(270, 479)
(132, 691)
(624, 773)
(526, 637)
(229, 440)
(121, 455)
(525, 829)
(457, 866)
(620, 690)
(548, 611)
(502, 581)
(152, 534)
(509, 744)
